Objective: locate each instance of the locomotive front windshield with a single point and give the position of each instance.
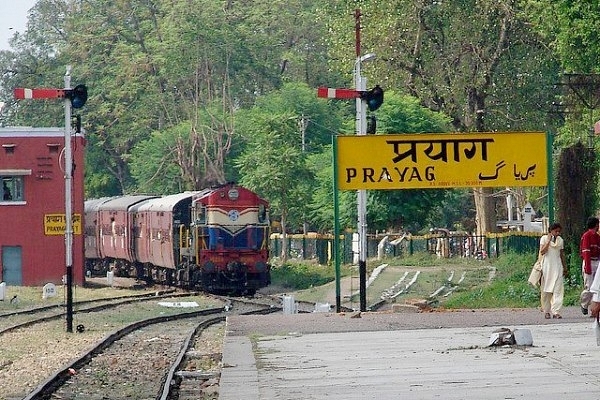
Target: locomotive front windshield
(239, 229)
(232, 222)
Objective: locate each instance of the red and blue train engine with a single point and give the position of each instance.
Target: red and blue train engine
(229, 237)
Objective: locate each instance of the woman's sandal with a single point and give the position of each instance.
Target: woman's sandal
(547, 315)
(557, 316)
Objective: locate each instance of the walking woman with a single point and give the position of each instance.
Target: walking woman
(554, 269)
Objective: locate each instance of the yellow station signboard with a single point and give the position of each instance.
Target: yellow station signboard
(442, 160)
(54, 224)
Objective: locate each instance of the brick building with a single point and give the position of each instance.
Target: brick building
(32, 206)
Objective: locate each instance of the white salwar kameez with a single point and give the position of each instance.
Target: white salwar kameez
(552, 285)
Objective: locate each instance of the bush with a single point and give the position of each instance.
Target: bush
(298, 276)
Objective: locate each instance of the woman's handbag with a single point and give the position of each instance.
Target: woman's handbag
(535, 276)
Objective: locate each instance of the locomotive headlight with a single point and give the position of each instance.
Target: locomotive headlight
(233, 194)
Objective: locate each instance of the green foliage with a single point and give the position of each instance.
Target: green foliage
(509, 288)
(280, 134)
(479, 63)
(98, 182)
(456, 211)
(173, 85)
(301, 276)
(273, 164)
(318, 120)
(401, 113)
(320, 209)
(571, 29)
(154, 162)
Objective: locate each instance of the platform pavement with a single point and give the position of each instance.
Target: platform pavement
(445, 363)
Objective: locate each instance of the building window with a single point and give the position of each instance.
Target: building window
(12, 188)
(9, 148)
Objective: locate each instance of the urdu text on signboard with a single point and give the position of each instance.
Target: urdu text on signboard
(442, 160)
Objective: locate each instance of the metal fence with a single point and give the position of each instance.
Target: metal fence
(319, 248)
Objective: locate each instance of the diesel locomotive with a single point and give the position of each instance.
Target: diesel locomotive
(215, 240)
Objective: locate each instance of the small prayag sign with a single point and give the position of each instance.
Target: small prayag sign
(442, 160)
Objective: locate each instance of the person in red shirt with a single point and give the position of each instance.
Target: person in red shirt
(590, 253)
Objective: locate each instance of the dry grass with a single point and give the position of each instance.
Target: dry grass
(27, 297)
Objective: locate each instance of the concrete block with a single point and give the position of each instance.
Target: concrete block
(523, 337)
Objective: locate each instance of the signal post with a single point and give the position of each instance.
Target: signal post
(75, 98)
(371, 99)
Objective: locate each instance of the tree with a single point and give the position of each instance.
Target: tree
(273, 164)
(35, 62)
(155, 67)
(571, 29)
(457, 57)
(159, 64)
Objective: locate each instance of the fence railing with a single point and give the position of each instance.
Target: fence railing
(319, 248)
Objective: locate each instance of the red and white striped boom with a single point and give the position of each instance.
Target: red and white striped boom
(23, 93)
(330, 93)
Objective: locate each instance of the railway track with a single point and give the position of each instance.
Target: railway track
(152, 358)
(14, 320)
(184, 381)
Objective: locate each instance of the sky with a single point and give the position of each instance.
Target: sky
(13, 18)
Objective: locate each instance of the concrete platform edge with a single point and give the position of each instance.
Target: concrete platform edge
(239, 375)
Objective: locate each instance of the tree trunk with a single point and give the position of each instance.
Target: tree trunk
(284, 241)
(576, 198)
(485, 206)
(485, 210)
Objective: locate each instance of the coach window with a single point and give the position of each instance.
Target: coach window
(12, 188)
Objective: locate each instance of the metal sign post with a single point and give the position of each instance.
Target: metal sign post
(361, 195)
(68, 203)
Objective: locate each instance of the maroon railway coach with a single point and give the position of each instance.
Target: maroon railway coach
(113, 233)
(160, 226)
